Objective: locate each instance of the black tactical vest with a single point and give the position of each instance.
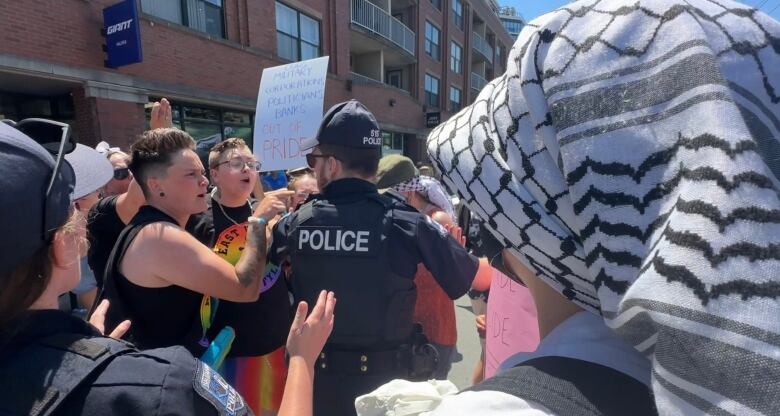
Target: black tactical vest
(567, 386)
(37, 380)
(343, 247)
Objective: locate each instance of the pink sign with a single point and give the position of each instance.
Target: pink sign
(511, 322)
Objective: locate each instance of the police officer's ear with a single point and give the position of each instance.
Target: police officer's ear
(334, 165)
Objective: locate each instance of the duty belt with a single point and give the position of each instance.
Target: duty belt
(364, 362)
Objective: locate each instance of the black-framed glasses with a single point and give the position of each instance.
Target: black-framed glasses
(237, 163)
(121, 174)
(312, 158)
(57, 139)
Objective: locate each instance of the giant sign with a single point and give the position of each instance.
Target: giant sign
(123, 34)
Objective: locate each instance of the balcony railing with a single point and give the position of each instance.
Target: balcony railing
(362, 79)
(372, 17)
(477, 82)
(481, 45)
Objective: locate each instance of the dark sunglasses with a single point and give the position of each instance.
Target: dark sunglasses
(56, 138)
(121, 174)
(493, 249)
(311, 159)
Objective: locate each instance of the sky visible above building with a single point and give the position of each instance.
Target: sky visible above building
(531, 9)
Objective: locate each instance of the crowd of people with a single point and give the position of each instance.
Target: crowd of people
(624, 170)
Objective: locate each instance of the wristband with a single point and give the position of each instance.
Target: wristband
(257, 220)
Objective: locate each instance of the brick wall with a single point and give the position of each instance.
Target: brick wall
(120, 122)
(68, 32)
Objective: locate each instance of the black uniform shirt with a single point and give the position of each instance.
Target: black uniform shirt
(162, 381)
(414, 239)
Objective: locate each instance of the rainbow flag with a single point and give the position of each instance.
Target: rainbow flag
(260, 380)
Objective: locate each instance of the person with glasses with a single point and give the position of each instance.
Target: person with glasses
(304, 183)
(111, 214)
(626, 166)
(158, 273)
(366, 246)
(255, 361)
(55, 363)
(122, 175)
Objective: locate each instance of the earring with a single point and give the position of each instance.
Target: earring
(162, 194)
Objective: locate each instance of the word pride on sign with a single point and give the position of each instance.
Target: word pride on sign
(289, 110)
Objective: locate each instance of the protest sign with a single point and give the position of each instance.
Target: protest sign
(289, 110)
(511, 322)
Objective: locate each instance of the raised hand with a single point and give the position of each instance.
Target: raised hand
(273, 203)
(308, 335)
(162, 117)
(456, 233)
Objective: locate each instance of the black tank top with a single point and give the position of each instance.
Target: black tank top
(161, 317)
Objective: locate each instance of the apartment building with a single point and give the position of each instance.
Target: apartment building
(412, 62)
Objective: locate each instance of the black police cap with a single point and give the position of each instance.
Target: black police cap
(348, 124)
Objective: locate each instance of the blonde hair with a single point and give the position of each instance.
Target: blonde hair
(297, 175)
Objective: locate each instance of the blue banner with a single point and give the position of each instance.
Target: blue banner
(123, 34)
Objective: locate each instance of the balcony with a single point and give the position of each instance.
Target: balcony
(376, 20)
(482, 46)
(477, 82)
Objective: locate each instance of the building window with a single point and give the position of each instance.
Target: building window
(436, 4)
(431, 40)
(392, 143)
(394, 78)
(202, 15)
(297, 35)
(457, 13)
(209, 125)
(456, 53)
(512, 26)
(455, 100)
(431, 91)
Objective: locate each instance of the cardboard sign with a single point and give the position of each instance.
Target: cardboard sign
(289, 110)
(511, 322)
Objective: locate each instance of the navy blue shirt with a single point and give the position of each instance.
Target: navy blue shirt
(414, 238)
(159, 381)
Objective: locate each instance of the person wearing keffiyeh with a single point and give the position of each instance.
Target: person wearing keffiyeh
(628, 162)
(431, 193)
(433, 309)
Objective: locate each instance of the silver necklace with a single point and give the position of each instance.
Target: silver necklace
(226, 214)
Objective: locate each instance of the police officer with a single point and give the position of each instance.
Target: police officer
(365, 246)
(54, 363)
(50, 361)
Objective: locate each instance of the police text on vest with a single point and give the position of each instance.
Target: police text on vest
(334, 240)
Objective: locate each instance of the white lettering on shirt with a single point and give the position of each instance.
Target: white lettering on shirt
(334, 240)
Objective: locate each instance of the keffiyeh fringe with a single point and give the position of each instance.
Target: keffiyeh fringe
(629, 156)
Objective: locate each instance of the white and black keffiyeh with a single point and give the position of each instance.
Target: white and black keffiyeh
(433, 191)
(630, 157)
